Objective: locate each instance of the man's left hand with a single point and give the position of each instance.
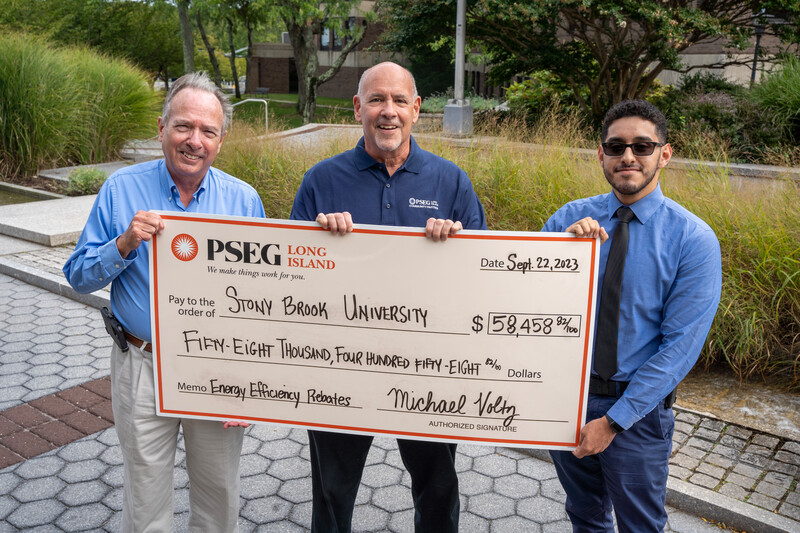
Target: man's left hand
(341, 223)
(235, 424)
(439, 229)
(595, 437)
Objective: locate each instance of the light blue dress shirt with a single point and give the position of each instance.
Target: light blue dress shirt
(670, 292)
(96, 261)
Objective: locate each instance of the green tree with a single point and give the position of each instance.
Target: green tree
(305, 22)
(212, 52)
(144, 32)
(783, 18)
(227, 18)
(615, 48)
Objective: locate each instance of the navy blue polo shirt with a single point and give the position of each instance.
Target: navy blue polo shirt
(425, 186)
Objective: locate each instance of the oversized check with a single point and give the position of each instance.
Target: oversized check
(484, 338)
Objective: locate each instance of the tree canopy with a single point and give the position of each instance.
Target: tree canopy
(615, 48)
(146, 33)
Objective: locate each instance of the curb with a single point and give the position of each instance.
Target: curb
(720, 508)
(51, 282)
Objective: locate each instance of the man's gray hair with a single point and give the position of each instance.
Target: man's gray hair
(201, 82)
(364, 75)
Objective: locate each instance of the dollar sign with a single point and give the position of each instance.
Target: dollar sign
(477, 320)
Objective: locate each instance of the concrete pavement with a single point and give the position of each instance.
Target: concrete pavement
(60, 464)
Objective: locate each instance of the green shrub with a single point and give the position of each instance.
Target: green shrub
(67, 106)
(709, 116)
(780, 93)
(85, 180)
(541, 91)
(707, 82)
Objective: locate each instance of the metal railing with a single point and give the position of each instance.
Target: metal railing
(266, 110)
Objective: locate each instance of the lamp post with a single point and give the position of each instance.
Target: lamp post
(458, 111)
(760, 22)
(759, 31)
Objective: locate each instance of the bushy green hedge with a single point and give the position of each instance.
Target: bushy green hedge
(67, 106)
(757, 328)
(780, 92)
(709, 116)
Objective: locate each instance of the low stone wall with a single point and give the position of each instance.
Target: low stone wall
(429, 122)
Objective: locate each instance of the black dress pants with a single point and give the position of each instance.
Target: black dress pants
(337, 462)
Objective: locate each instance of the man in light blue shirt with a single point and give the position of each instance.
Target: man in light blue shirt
(670, 291)
(114, 248)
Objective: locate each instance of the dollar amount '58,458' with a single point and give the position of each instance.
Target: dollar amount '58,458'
(527, 324)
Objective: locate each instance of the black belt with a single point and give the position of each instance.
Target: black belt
(139, 343)
(607, 388)
(616, 389)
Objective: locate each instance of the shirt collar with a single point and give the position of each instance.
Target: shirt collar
(364, 160)
(643, 209)
(170, 189)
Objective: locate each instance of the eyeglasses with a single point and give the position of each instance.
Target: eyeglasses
(641, 148)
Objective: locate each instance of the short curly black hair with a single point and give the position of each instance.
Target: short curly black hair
(636, 108)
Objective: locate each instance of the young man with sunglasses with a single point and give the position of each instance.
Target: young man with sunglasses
(651, 326)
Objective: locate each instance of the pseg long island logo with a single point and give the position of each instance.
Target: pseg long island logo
(184, 247)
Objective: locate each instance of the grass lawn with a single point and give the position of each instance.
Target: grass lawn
(284, 116)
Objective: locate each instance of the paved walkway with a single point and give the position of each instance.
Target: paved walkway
(60, 463)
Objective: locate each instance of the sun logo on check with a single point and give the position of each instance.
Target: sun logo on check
(184, 247)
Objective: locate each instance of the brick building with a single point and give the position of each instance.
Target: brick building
(272, 65)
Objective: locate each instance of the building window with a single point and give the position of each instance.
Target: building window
(331, 40)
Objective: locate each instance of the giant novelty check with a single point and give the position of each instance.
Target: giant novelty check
(483, 338)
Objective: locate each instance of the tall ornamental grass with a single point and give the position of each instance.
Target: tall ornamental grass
(756, 332)
(67, 106)
(780, 92)
(37, 108)
(117, 104)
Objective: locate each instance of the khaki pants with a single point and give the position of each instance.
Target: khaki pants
(148, 445)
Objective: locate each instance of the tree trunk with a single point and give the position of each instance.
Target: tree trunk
(304, 53)
(310, 102)
(233, 57)
(304, 46)
(211, 55)
(249, 56)
(187, 36)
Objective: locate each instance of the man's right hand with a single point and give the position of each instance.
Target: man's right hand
(588, 227)
(340, 223)
(144, 225)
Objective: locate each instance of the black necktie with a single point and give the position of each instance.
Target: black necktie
(605, 350)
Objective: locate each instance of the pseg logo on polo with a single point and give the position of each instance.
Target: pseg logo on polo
(184, 247)
(423, 204)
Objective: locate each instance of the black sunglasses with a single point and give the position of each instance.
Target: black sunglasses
(640, 148)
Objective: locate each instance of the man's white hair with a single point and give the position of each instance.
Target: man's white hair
(201, 82)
